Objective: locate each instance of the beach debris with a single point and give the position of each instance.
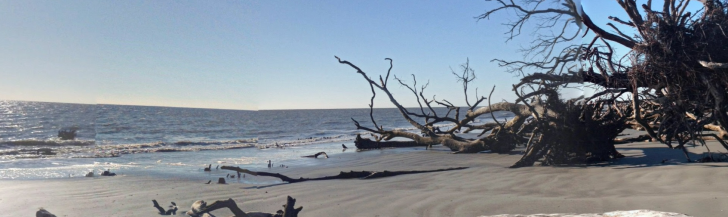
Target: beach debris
(44, 213)
(317, 154)
(108, 173)
(221, 180)
(67, 133)
(171, 211)
(208, 182)
(342, 174)
(200, 209)
(90, 174)
(208, 168)
(217, 167)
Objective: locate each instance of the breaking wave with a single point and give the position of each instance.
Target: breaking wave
(88, 149)
(35, 142)
(305, 141)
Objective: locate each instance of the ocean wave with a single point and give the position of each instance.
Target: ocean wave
(270, 132)
(305, 141)
(51, 142)
(186, 143)
(333, 122)
(116, 150)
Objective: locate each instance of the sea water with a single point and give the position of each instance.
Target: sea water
(178, 142)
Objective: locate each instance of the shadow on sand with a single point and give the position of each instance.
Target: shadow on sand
(265, 186)
(639, 157)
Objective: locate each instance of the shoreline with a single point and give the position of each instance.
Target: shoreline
(639, 181)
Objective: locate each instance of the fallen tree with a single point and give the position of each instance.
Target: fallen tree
(675, 66)
(342, 175)
(564, 132)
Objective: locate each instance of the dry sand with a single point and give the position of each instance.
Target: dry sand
(640, 181)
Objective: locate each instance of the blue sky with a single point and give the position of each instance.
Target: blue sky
(249, 54)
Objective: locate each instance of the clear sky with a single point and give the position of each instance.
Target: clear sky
(249, 54)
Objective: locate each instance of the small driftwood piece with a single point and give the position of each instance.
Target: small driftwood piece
(44, 213)
(362, 143)
(342, 175)
(199, 208)
(171, 211)
(640, 138)
(317, 154)
(288, 208)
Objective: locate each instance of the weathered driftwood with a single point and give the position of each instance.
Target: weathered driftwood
(317, 154)
(364, 144)
(171, 211)
(200, 208)
(721, 133)
(342, 175)
(713, 65)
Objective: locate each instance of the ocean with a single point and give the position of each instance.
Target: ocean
(170, 141)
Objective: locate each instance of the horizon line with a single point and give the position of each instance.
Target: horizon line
(165, 106)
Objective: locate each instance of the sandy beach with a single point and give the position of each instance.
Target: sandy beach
(488, 187)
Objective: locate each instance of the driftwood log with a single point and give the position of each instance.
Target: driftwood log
(364, 144)
(200, 208)
(342, 175)
(317, 154)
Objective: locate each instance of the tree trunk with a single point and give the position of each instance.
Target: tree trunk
(364, 144)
